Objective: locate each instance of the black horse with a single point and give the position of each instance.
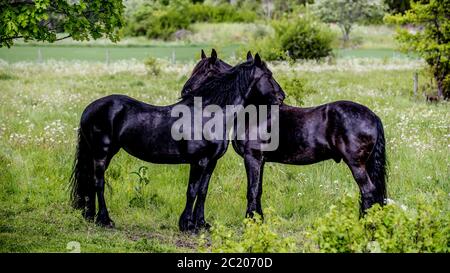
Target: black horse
(144, 131)
(341, 130)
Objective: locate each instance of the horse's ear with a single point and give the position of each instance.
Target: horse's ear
(203, 54)
(257, 60)
(213, 56)
(249, 56)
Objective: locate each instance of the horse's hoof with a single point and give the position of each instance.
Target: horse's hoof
(186, 225)
(206, 226)
(203, 226)
(251, 214)
(105, 222)
(89, 216)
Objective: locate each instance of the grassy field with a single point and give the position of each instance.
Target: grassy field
(183, 53)
(228, 38)
(40, 107)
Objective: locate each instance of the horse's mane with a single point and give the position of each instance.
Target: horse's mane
(223, 87)
(200, 65)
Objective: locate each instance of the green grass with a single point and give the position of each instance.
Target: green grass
(183, 53)
(377, 53)
(367, 37)
(40, 107)
(227, 38)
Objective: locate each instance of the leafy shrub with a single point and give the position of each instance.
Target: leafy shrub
(156, 20)
(296, 89)
(268, 47)
(163, 23)
(392, 228)
(300, 38)
(220, 14)
(304, 38)
(447, 87)
(160, 21)
(4, 75)
(257, 237)
(260, 32)
(152, 66)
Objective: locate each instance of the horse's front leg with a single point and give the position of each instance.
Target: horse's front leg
(254, 166)
(186, 220)
(199, 210)
(100, 165)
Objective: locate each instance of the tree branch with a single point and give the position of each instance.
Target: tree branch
(12, 38)
(19, 37)
(65, 37)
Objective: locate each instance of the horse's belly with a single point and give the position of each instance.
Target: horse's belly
(158, 158)
(299, 156)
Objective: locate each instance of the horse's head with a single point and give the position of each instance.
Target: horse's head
(204, 69)
(264, 88)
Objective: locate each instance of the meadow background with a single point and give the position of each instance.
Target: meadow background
(45, 87)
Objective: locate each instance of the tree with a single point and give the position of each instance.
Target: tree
(398, 6)
(430, 39)
(41, 20)
(346, 13)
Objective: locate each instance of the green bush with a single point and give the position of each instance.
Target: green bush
(268, 47)
(304, 38)
(152, 66)
(156, 20)
(219, 14)
(392, 228)
(257, 237)
(162, 21)
(296, 89)
(447, 87)
(300, 38)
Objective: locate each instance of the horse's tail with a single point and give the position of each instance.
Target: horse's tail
(81, 173)
(377, 164)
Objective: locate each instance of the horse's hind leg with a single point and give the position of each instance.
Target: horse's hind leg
(366, 187)
(102, 156)
(89, 212)
(355, 149)
(99, 181)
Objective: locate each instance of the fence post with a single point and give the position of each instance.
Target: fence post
(416, 83)
(39, 58)
(107, 56)
(173, 57)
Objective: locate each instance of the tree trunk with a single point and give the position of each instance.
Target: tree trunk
(345, 38)
(440, 74)
(345, 35)
(440, 86)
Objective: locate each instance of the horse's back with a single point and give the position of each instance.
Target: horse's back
(108, 115)
(353, 117)
(310, 134)
(350, 106)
